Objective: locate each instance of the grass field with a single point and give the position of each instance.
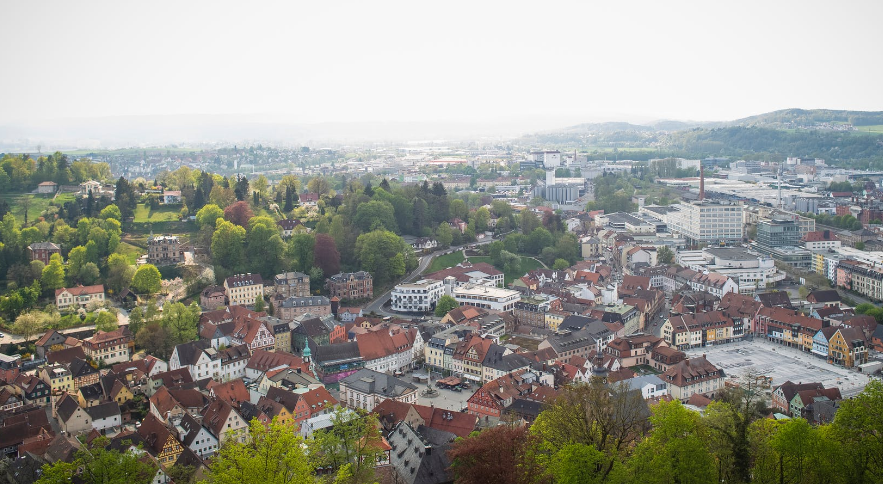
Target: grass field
(445, 261)
(38, 203)
(131, 252)
(876, 129)
(163, 214)
(527, 264)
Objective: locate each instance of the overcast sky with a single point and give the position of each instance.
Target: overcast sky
(314, 61)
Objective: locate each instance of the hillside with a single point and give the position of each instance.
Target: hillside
(809, 117)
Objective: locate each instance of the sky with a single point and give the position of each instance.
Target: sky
(473, 61)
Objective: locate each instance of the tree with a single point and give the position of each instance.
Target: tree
(860, 245)
(106, 321)
(444, 235)
(482, 217)
(537, 240)
(208, 215)
(377, 253)
(319, 185)
(272, 454)
(239, 213)
(28, 324)
(154, 339)
(147, 280)
(260, 185)
(259, 304)
(222, 196)
(444, 305)
(529, 222)
(52, 277)
(180, 321)
(111, 211)
(228, 245)
(99, 465)
(288, 182)
(497, 454)
(665, 255)
(325, 254)
(89, 274)
(353, 440)
(858, 427)
(560, 264)
(265, 247)
(375, 214)
(300, 251)
(119, 273)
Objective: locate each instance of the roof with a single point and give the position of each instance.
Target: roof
(43, 246)
(318, 399)
(789, 388)
(81, 290)
(189, 353)
(240, 280)
(263, 360)
(690, 371)
(66, 407)
(174, 378)
(371, 382)
(103, 410)
(775, 299)
(66, 355)
(790, 317)
(233, 392)
(154, 433)
(80, 368)
(824, 296)
(380, 344)
(345, 276)
(412, 462)
(215, 415)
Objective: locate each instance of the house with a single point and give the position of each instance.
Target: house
(783, 394)
(90, 395)
(82, 373)
(42, 251)
(224, 422)
(351, 285)
(47, 187)
(116, 389)
(848, 347)
(212, 297)
(253, 333)
(105, 416)
(457, 224)
(8, 400)
(164, 250)
(420, 455)
(159, 441)
(78, 297)
(802, 402)
(824, 298)
(664, 357)
(291, 284)
(52, 340)
(199, 360)
(232, 392)
(499, 361)
(650, 386)
(196, 437)
(820, 342)
(491, 399)
(243, 289)
(469, 356)
(72, 418)
(387, 351)
(290, 226)
(32, 390)
(57, 377)
(692, 376)
(634, 350)
(699, 329)
(110, 347)
(349, 314)
(776, 299)
(391, 412)
(164, 406)
(171, 197)
(424, 243)
(171, 378)
(262, 361)
(66, 356)
(787, 327)
(293, 307)
(366, 388)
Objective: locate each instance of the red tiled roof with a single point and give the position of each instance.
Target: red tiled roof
(81, 290)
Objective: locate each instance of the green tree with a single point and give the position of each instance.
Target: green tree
(180, 322)
(106, 321)
(375, 214)
(444, 305)
(98, 465)
(259, 304)
(665, 255)
(52, 277)
(858, 427)
(265, 247)
(89, 274)
(537, 240)
(353, 439)
(444, 235)
(482, 217)
(208, 215)
(319, 185)
(377, 252)
(119, 273)
(147, 280)
(272, 454)
(301, 250)
(529, 222)
(29, 324)
(560, 264)
(111, 211)
(228, 245)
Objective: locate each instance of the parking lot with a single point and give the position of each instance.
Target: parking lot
(447, 399)
(782, 364)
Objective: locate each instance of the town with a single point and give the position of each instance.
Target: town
(424, 296)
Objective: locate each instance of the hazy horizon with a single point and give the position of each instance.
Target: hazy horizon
(511, 66)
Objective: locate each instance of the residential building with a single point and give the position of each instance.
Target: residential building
(848, 347)
(801, 404)
(244, 289)
(78, 297)
(42, 251)
(351, 285)
(492, 398)
(294, 307)
(82, 373)
(419, 296)
(664, 357)
(213, 297)
(692, 376)
(787, 327)
(292, 284)
(699, 329)
(291, 226)
(783, 394)
(387, 351)
(196, 436)
(634, 350)
(171, 197)
(750, 270)
(57, 377)
(861, 277)
(72, 418)
(469, 273)
(47, 187)
(110, 347)
(419, 454)
(531, 310)
(164, 250)
(105, 416)
(224, 422)
(820, 240)
(366, 388)
(199, 360)
(159, 441)
(650, 386)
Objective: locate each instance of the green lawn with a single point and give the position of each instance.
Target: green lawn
(876, 129)
(37, 204)
(445, 261)
(162, 214)
(527, 264)
(131, 252)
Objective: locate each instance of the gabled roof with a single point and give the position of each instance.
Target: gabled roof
(215, 416)
(286, 398)
(318, 399)
(154, 433)
(371, 382)
(380, 344)
(232, 392)
(690, 371)
(103, 410)
(66, 355)
(263, 360)
(789, 388)
(824, 296)
(81, 290)
(775, 299)
(80, 368)
(174, 378)
(66, 408)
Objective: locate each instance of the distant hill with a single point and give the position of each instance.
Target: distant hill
(805, 117)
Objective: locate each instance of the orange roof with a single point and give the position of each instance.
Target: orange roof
(81, 290)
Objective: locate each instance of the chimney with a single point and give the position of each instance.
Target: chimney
(701, 181)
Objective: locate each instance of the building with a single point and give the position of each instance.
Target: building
(531, 310)
(42, 251)
(701, 329)
(291, 284)
(213, 297)
(419, 296)
(820, 240)
(420, 454)
(47, 187)
(487, 297)
(469, 273)
(707, 222)
(72, 418)
(650, 386)
(787, 327)
(110, 347)
(244, 289)
(861, 277)
(366, 389)
(351, 285)
(164, 250)
(692, 376)
(294, 307)
(171, 197)
(78, 297)
(290, 226)
(750, 270)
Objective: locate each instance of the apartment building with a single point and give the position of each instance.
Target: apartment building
(351, 285)
(164, 250)
(419, 296)
(243, 289)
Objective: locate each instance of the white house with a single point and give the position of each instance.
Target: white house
(105, 416)
(419, 296)
(650, 386)
(196, 437)
(201, 363)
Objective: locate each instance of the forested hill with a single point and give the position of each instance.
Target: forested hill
(845, 138)
(809, 117)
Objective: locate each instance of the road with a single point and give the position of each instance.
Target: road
(377, 304)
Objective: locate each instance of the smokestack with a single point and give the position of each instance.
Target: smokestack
(701, 181)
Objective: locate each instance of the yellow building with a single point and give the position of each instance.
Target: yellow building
(818, 263)
(554, 318)
(58, 378)
(847, 347)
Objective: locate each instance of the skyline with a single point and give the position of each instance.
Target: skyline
(348, 62)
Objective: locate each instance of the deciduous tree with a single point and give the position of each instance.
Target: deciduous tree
(239, 213)
(444, 305)
(147, 280)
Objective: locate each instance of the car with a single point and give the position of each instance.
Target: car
(2, 335)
